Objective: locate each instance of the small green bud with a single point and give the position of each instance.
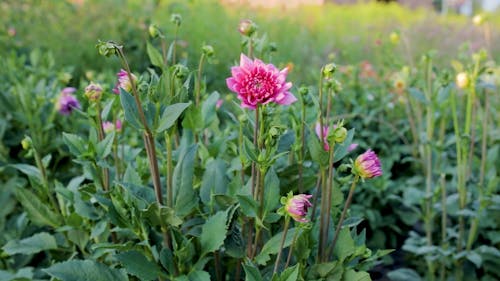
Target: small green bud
(329, 69)
(176, 19)
(208, 50)
(303, 90)
(274, 132)
(181, 71)
(339, 134)
(153, 31)
(26, 143)
(108, 48)
(247, 27)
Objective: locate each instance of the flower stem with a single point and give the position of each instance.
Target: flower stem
(285, 230)
(329, 188)
(100, 130)
(342, 216)
(149, 141)
(322, 215)
(444, 243)
(302, 146)
(290, 251)
(198, 88)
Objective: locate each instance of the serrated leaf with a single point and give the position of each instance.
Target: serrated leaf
(345, 245)
(170, 114)
(38, 212)
(138, 265)
(75, 143)
(154, 55)
(39, 242)
(213, 232)
(130, 109)
(84, 270)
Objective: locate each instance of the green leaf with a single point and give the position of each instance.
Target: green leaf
(199, 275)
(184, 195)
(193, 119)
(154, 55)
(290, 274)
(351, 275)
(208, 108)
(248, 205)
(318, 153)
(39, 242)
(345, 245)
(138, 265)
(170, 114)
(250, 150)
(214, 180)
(29, 170)
(130, 109)
(418, 95)
(404, 274)
(85, 270)
(252, 273)
(475, 258)
(75, 143)
(38, 211)
(272, 246)
(213, 232)
(104, 147)
(272, 190)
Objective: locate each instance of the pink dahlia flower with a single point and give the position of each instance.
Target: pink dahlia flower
(367, 165)
(67, 102)
(123, 82)
(297, 207)
(258, 83)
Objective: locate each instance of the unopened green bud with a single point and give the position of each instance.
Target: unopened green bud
(274, 132)
(208, 50)
(153, 31)
(303, 90)
(181, 71)
(108, 48)
(26, 143)
(176, 19)
(329, 69)
(247, 27)
(339, 134)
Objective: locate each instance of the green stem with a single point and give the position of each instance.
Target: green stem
(344, 212)
(170, 192)
(149, 141)
(290, 251)
(287, 222)
(444, 219)
(322, 215)
(45, 181)
(100, 130)
(329, 189)
(198, 88)
(302, 146)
